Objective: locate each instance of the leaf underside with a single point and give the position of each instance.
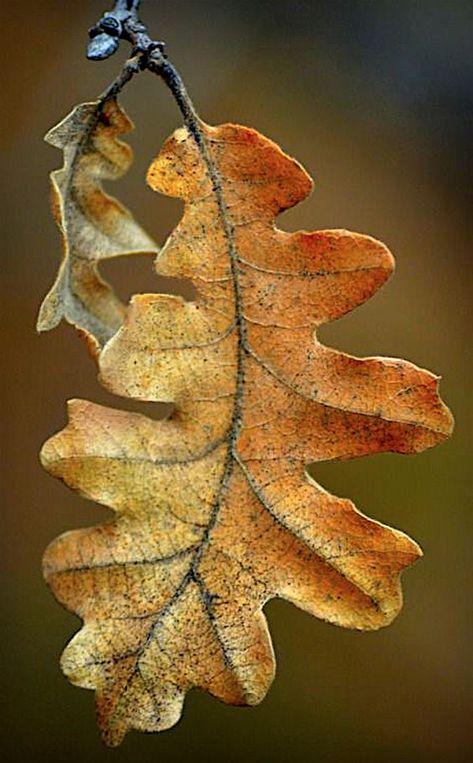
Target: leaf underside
(215, 512)
(94, 225)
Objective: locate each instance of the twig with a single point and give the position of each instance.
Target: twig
(123, 23)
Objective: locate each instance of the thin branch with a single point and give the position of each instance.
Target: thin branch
(123, 23)
(131, 67)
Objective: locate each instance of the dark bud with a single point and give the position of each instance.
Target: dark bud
(102, 46)
(111, 25)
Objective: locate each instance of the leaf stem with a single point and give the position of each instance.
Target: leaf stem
(131, 67)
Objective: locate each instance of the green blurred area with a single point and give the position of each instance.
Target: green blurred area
(373, 98)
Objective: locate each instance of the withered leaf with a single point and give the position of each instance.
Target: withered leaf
(94, 225)
(215, 512)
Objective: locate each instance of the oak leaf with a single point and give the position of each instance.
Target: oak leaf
(215, 511)
(94, 225)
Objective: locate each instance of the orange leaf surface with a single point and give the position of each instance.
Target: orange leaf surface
(215, 511)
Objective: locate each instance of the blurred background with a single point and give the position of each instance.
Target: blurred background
(375, 99)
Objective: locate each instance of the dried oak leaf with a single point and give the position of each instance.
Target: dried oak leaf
(94, 225)
(215, 512)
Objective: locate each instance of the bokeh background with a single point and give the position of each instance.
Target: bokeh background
(375, 99)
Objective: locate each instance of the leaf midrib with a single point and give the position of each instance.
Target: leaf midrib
(192, 574)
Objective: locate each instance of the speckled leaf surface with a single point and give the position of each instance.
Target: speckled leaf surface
(215, 511)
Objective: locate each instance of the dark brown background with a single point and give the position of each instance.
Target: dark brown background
(373, 98)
